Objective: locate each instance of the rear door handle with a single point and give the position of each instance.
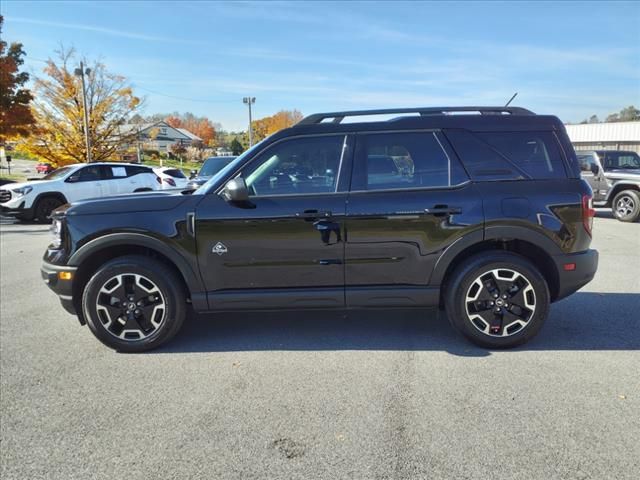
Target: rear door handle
(442, 210)
(313, 214)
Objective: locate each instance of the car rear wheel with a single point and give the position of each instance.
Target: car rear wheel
(626, 206)
(44, 207)
(134, 303)
(497, 300)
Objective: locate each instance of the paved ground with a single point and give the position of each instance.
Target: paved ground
(309, 395)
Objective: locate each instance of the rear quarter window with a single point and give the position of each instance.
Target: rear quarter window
(135, 170)
(536, 153)
(491, 156)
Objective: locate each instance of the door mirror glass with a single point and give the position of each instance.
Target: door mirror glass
(236, 190)
(594, 169)
(73, 178)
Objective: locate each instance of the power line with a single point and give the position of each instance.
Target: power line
(183, 98)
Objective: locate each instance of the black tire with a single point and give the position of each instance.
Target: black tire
(626, 206)
(464, 315)
(44, 207)
(112, 331)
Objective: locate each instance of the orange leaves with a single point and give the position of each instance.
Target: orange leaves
(268, 125)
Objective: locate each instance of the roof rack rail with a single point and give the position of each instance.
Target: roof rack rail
(339, 116)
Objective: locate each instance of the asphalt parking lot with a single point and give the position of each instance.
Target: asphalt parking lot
(390, 394)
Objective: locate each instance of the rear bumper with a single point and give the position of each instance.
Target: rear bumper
(570, 281)
(62, 288)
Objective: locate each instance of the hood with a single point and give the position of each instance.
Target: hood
(32, 183)
(623, 174)
(156, 201)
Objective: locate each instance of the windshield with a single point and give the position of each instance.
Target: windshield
(59, 173)
(213, 181)
(213, 165)
(621, 160)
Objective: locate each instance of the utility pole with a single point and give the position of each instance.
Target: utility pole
(81, 72)
(249, 101)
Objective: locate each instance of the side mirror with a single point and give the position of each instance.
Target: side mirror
(595, 169)
(236, 190)
(193, 174)
(73, 178)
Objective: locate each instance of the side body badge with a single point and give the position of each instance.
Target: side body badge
(219, 248)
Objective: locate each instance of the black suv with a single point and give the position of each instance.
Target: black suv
(478, 210)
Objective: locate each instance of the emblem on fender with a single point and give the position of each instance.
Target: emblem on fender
(219, 248)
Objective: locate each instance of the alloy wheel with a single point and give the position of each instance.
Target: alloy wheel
(500, 302)
(625, 206)
(131, 307)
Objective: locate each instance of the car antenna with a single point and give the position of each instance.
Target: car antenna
(511, 99)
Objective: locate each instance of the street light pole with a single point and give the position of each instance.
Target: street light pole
(249, 101)
(81, 72)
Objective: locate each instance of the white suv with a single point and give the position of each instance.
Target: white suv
(38, 198)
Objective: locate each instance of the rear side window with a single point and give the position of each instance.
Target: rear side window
(536, 153)
(403, 160)
(135, 170)
(508, 155)
(175, 173)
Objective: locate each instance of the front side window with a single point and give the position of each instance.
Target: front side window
(297, 166)
(586, 162)
(401, 160)
(90, 174)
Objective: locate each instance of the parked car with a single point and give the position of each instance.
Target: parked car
(38, 198)
(614, 176)
(44, 168)
(487, 217)
(171, 177)
(210, 167)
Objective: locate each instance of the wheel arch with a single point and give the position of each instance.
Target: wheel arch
(95, 253)
(59, 195)
(535, 247)
(620, 187)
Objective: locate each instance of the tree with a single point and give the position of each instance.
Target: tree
(177, 149)
(16, 119)
(58, 110)
(629, 114)
(236, 147)
(268, 125)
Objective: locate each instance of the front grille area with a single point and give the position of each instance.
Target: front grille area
(5, 196)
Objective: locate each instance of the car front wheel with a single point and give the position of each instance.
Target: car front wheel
(497, 299)
(134, 303)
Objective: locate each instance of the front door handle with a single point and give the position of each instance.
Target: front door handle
(442, 210)
(313, 214)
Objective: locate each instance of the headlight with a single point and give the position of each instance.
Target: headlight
(22, 190)
(56, 233)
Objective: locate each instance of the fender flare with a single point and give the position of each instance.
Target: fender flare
(191, 277)
(490, 233)
(39, 196)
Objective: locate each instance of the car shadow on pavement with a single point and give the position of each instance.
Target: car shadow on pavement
(585, 321)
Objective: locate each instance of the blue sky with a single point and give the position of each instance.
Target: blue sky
(571, 59)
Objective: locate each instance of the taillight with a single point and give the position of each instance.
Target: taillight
(588, 213)
(170, 181)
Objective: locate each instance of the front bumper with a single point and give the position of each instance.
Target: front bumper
(63, 288)
(570, 281)
(15, 208)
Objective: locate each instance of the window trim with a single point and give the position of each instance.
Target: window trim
(238, 172)
(436, 134)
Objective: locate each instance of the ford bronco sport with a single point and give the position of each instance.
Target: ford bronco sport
(478, 210)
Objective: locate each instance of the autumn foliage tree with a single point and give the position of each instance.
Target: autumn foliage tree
(16, 119)
(58, 111)
(268, 125)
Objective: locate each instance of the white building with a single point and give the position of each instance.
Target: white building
(605, 136)
(160, 135)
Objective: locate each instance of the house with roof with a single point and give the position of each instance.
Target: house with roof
(159, 135)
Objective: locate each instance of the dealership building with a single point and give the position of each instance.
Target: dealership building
(605, 136)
